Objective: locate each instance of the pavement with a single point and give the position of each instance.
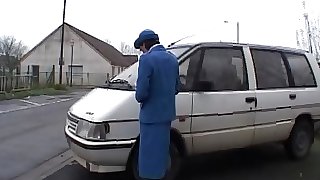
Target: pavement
(31, 132)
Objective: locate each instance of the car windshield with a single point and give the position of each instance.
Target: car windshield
(130, 74)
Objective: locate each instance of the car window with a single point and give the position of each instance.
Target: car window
(130, 74)
(270, 69)
(301, 70)
(187, 70)
(223, 69)
(178, 51)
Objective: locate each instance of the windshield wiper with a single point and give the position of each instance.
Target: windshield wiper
(120, 81)
(118, 84)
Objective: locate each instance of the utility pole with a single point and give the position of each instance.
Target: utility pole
(71, 78)
(238, 32)
(61, 62)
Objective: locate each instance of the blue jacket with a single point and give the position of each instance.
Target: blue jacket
(157, 84)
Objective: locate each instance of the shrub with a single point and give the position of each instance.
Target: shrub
(60, 87)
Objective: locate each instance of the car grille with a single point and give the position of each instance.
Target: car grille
(72, 123)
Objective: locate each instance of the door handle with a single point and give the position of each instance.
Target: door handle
(250, 99)
(292, 96)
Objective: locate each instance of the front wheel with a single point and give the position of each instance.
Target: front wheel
(173, 166)
(300, 141)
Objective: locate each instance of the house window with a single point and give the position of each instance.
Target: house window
(108, 76)
(77, 74)
(119, 70)
(113, 71)
(76, 69)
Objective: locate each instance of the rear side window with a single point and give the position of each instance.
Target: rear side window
(223, 69)
(270, 69)
(301, 70)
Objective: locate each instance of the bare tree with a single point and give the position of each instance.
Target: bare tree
(11, 51)
(309, 37)
(315, 35)
(128, 50)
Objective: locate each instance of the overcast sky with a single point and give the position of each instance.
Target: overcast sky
(270, 22)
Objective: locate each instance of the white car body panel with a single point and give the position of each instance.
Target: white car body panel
(207, 121)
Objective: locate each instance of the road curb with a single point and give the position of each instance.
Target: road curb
(49, 167)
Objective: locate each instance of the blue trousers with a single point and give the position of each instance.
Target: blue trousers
(154, 150)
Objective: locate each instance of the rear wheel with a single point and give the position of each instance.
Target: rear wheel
(173, 166)
(300, 141)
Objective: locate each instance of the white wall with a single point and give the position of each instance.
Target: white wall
(48, 53)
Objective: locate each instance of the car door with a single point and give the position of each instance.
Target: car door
(187, 69)
(223, 103)
(274, 117)
(305, 92)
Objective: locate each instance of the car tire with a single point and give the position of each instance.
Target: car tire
(300, 141)
(172, 172)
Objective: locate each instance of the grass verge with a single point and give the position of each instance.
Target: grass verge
(32, 92)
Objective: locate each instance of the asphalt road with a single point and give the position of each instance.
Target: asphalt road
(263, 163)
(31, 135)
(31, 132)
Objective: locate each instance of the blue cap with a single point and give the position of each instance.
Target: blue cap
(145, 35)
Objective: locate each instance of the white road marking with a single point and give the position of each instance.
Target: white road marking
(29, 102)
(62, 100)
(34, 105)
(48, 96)
(51, 97)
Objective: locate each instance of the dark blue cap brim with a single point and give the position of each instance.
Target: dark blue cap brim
(138, 42)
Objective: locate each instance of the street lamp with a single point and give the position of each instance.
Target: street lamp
(238, 30)
(71, 74)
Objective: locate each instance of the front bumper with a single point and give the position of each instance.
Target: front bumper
(109, 156)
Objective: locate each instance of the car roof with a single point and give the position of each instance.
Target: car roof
(254, 46)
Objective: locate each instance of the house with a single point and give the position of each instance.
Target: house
(91, 60)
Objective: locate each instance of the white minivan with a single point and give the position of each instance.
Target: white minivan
(232, 96)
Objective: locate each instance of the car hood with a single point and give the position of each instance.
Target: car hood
(102, 104)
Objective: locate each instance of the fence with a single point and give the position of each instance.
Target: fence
(20, 82)
(78, 79)
(86, 79)
(15, 82)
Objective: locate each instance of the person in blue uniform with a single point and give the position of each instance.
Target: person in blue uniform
(157, 84)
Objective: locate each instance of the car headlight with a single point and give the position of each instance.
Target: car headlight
(92, 131)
